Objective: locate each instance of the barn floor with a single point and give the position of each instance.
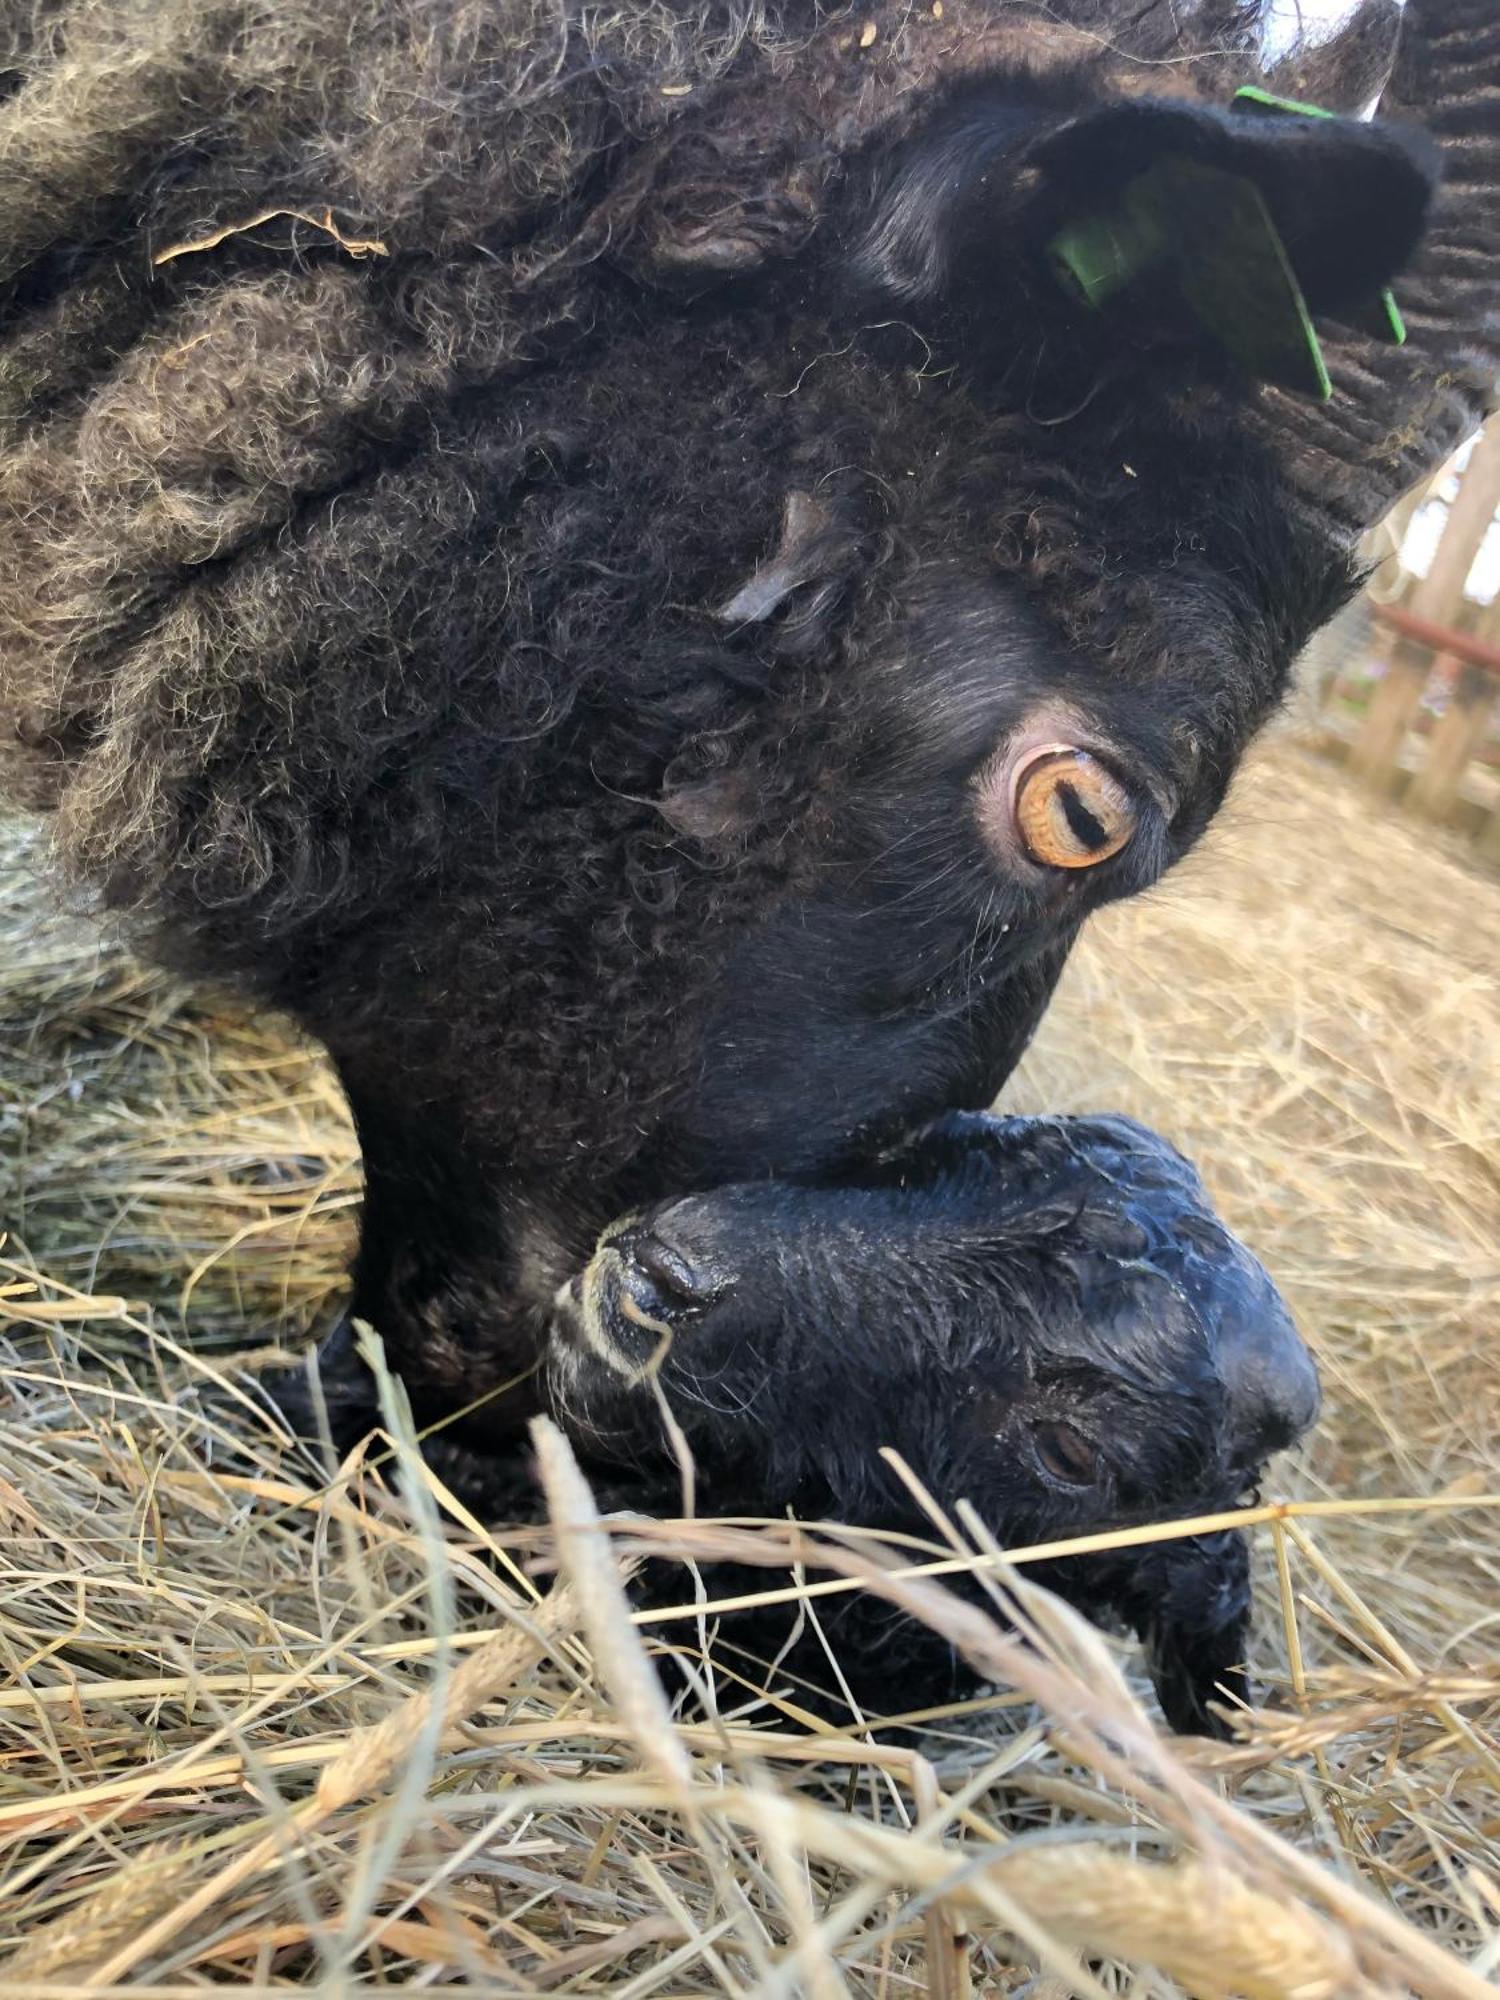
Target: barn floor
(199, 1628)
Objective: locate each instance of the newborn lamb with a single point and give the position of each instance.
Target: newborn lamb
(1041, 1315)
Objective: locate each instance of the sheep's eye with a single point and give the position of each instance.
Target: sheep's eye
(1065, 1454)
(1069, 811)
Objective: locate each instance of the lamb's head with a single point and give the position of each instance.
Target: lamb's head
(1042, 1316)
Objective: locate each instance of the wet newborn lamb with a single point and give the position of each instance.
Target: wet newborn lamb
(1042, 1315)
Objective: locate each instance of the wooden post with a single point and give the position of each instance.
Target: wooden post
(1457, 739)
(1376, 755)
(1440, 593)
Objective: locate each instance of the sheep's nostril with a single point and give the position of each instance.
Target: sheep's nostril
(658, 1274)
(668, 1271)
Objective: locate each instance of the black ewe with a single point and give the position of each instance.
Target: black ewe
(653, 650)
(596, 556)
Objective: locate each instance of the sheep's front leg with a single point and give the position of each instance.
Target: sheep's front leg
(334, 1393)
(331, 1390)
(439, 1275)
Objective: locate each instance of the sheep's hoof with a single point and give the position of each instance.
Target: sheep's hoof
(329, 1394)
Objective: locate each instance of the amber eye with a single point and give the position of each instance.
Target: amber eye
(1066, 1454)
(1069, 810)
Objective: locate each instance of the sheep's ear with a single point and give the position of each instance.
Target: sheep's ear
(1190, 1603)
(1140, 219)
(1348, 200)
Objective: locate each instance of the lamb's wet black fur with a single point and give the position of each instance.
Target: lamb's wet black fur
(506, 554)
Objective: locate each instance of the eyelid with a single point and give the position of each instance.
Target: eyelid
(1058, 1429)
(1034, 755)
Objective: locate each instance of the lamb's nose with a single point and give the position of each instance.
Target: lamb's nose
(666, 1273)
(1271, 1381)
(664, 1267)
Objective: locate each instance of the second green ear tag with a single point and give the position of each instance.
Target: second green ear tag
(1212, 233)
(1381, 320)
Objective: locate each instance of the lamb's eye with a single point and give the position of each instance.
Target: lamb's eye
(1069, 811)
(1066, 1454)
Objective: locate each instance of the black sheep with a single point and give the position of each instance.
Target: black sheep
(591, 555)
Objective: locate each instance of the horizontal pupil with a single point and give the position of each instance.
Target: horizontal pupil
(1085, 828)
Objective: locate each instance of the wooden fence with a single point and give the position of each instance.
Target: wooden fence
(1427, 732)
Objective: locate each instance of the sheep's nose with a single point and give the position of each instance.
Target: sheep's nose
(1271, 1382)
(667, 1271)
(662, 1265)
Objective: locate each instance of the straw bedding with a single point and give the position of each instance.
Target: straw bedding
(265, 1724)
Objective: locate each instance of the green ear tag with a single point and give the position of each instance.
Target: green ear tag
(1382, 319)
(1094, 258)
(1236, 275)
(1250, 97)
(1213, 233)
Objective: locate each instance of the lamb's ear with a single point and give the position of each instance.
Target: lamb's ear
(1190, 1603)
(1148, 207)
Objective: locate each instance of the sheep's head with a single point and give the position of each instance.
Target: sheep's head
(279, 409)
(1042, 1316)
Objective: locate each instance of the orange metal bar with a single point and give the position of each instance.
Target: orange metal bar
(1440, 638)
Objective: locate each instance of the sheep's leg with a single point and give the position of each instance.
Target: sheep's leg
(434, 1278)
(343, 1400)
(333, 1395)
(435, 1273)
